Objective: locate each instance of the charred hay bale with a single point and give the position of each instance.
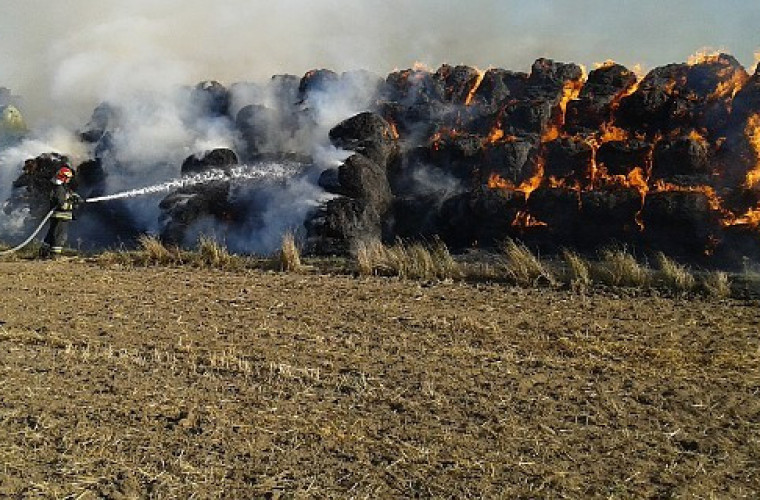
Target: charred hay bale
(656, 106)
(714, 77)
(32, 187)
(499, 86)
(316, 80)
(527, 117)
(481, 217)
(456, 154)
(184, 206)
(337, 224)
(369, 134)
(680, 222)
(621, 157)
(38, 172)
(187, 205)
(681, 156)
(594, 106)
(738, 244)
(416, 217)
(212, 98)
(511, 160)
(104, 118)
(548, 79)
(414, 86)
(285, 88)
(216, 159)
(568, 158)
(361, 178)
(257, 124)
(558, 209)
(458, 82)
(608, 215)
(746, 102)
(416, 120)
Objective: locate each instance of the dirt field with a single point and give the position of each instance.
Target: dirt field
(179, 383)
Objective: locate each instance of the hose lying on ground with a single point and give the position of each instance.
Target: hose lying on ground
(30, 238)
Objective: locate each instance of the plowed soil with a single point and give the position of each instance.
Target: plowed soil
(179, 383)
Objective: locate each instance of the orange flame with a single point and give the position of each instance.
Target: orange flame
(475, 87)
(606, 64)
(752, 131)
(525, 220)
(697, 136)
(570, 91)
(612, 133)
(751, 218)
(394, 130)
(712, 197)
(704, 55)
(495, 181)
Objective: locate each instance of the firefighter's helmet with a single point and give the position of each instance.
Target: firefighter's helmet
(64, 175)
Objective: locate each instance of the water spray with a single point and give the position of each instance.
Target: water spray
(262, 171)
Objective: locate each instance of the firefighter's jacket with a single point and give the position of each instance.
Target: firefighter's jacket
(63, 201)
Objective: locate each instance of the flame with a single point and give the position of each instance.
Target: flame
(443, 132)
(471, 94)
(570, 91)
(606, 64)
(697, 136)
(498, 135)
(752, 131)
(704, 55)
(495, 135)
(394, 130)
(495, 181)
(612, 133)
(525, 220)
(735, 80)
(639, 70)
(751, 218)
(420, 66)
(712, 197)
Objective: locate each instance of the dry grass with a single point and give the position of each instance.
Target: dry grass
(675, 276)
(289, 256)
(212, 254)
(153, 251)
(578, 272)
(414, 261)
(716, 284)
(523, 267)
(618, 267)
(368, 256)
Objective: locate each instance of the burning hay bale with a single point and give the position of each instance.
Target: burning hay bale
(32, 188)
(599, 98)
(670, 161)
(185, 206)
(361, 183)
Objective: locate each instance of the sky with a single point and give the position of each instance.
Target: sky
(64, 57)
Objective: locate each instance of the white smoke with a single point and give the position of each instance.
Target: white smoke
(53, 140)
(65, 58)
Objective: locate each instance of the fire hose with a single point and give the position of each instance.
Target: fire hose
(30, 238)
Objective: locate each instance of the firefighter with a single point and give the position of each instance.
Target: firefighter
(63, 201)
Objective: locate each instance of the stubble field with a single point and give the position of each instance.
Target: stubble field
(164, 382)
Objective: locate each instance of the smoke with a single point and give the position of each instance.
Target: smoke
(53, 140)
(66, 57)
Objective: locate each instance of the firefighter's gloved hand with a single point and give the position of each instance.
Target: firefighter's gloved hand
(76, 200)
